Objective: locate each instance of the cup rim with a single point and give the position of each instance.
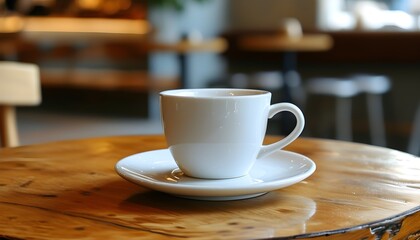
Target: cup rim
(224, 93)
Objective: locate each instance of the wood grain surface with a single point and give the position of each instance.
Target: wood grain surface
(70, 190)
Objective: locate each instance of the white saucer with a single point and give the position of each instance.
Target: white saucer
(157, 170)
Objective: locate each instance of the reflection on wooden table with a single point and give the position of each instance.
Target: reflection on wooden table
(70, 190)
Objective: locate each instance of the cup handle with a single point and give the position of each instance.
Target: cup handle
(300, 123)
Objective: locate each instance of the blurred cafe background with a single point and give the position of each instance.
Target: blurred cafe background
(353, 66)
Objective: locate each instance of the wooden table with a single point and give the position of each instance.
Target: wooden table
(276, 42)
(280, 42)
(289, 47)
(184, 47)
(70, 190)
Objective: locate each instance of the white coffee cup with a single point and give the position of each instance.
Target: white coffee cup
(219, 133)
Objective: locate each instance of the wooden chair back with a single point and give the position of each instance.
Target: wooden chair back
(19, 86)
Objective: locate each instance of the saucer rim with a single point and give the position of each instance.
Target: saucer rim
(213, 191)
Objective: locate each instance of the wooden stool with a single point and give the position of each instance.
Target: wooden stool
(19, 86)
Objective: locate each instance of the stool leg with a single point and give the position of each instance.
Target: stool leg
(376, 119)
(344, 119)
(8, 128)
(414, 142)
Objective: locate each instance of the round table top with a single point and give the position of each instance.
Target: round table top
(215, 45)
(282, 42)
(70, 190)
